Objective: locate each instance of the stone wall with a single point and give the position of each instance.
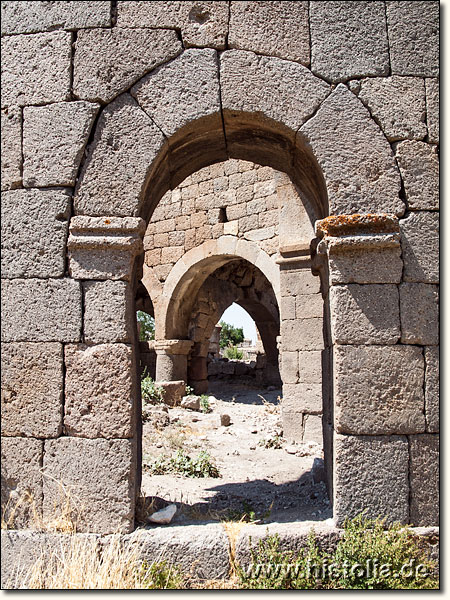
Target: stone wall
(105, 107)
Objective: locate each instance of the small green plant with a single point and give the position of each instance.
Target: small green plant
(205, 406)
(161, 576)
(275, 441)
(150, 392)
(189, 390)
(233, 353)
(183, 464)
(368, 556)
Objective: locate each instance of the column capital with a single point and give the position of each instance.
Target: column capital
(173, 346)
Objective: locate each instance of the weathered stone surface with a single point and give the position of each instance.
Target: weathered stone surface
(432, 388)
(36, 68)
(201, 23)
(413, 30)
(33, 17)
(371, 475)
(289, 367)
(432, 96)
(281, 90)
(11, 140)
(356, 160)
(302, 334)
(378, 390)
(419, 166)
(419, 313)
(54, 138)
(348, 40)
(41, 311)
(292, 424)
(302, 397)
(108, 61)
(99, 394)
(309, 306)
(424, 479)
(299, 282)
(113, 176)
(375, 265)
(182, 91)
(398, 104)
(420, 246)
(273, 28)
(100, 477)
(201, 550)
(21, 480)
(173, 391)
(108, 312)
(32, 389)
(34, 232)
(312, 429)
(310, 366)
(364, 314)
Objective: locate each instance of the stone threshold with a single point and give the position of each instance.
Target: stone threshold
(204, 551)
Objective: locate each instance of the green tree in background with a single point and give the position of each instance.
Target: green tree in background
(229, 335)
(147, 326)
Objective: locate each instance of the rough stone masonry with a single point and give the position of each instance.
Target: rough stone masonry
(159, 150)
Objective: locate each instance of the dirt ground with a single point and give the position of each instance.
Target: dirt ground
(265, 483)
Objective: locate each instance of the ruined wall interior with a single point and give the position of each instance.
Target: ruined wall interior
(106, 106)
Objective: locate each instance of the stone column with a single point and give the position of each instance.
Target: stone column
(171, 359)
(377, 382)
(302, 342)
(198, 367)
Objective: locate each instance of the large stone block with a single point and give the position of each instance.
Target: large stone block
(99, 391)
(371, 475)
(34, 231)
(32, 17)
(292, 425)
(420, 246)
(41, 311)
(302, 397)
(281, 90)
(432, 388)
(289, 367)
(183, 91)
(413, 30)
(273, 28)
(398, 104)
(355, 157)
(36, 68)
(378, 390)
(302, 334)
(348, 40)
(32, 389)
(419, 166)
(98, 477)
(419, 313)
(11, 141)
(299, 282)
(364, 314)
(176, 97)
(312, 429)
(309, 306)
(108, 61)
(108, 312)
(432, 95)
(310, 366)
(201, 23)
(424, 479)
(21, 481)
(116, 168)
(363, 265)
(54, 138)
